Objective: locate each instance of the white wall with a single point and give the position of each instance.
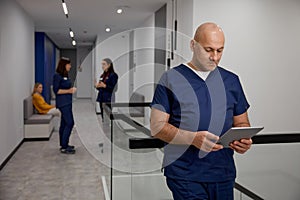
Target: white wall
(96, 70)
(84, 72)
(17, 72)
(94, 75)
(262, 40)
(144, 59)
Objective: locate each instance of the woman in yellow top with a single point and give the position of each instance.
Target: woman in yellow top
(40, 104)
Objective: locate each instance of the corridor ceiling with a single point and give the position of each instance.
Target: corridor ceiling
(87, 18)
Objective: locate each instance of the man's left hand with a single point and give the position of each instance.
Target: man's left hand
(241, 146)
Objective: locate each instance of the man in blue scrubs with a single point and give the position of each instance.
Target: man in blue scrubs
(195, 103)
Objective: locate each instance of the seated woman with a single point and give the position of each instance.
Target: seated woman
(40, 104)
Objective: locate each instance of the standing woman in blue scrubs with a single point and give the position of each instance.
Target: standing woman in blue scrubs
(107, 84)
(64, 91)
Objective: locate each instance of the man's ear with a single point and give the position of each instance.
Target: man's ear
(192, 45)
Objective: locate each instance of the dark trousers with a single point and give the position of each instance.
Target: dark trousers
(66, 125)
(101, 108)
(189, 190)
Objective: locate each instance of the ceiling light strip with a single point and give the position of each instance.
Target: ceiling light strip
(64, 5)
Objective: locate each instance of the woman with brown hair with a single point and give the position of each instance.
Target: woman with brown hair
(64, 91)
(107, 84)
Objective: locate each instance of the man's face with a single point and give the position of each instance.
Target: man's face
(208, 52)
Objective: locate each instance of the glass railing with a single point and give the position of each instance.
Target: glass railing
(270, 170)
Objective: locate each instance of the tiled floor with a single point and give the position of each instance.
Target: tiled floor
(39, 171)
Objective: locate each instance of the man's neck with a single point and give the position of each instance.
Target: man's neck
(195, 67)
(201, 74)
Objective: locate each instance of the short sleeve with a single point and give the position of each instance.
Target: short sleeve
(242, 104)
(161, 98)
(56, 82)
(110, 85)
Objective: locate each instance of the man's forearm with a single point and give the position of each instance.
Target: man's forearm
(242, 125)
(172, 134)
(241, 120)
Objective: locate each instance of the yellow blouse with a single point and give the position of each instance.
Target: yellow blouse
(40, 104)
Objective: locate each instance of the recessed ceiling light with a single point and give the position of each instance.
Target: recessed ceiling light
(107, 29)
(119, 10)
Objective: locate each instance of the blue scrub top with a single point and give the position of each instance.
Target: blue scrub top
(197, 105)
(64, 83)
(108, 94)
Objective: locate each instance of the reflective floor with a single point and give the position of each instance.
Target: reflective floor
(39, 171)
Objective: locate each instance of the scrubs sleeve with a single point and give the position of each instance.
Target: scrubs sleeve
(110, 85)
(56, 83)
(242, 103)
(161, 98)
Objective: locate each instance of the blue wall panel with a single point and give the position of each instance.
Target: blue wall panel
(44, 63)
(39, 57)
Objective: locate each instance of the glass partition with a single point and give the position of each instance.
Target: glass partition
(136, 173)
(267, 171)
(271, 170)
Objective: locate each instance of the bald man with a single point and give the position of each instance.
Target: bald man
(193, 105)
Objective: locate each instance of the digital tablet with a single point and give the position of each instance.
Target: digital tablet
(237, 133)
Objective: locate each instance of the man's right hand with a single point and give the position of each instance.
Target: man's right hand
(206, 141)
